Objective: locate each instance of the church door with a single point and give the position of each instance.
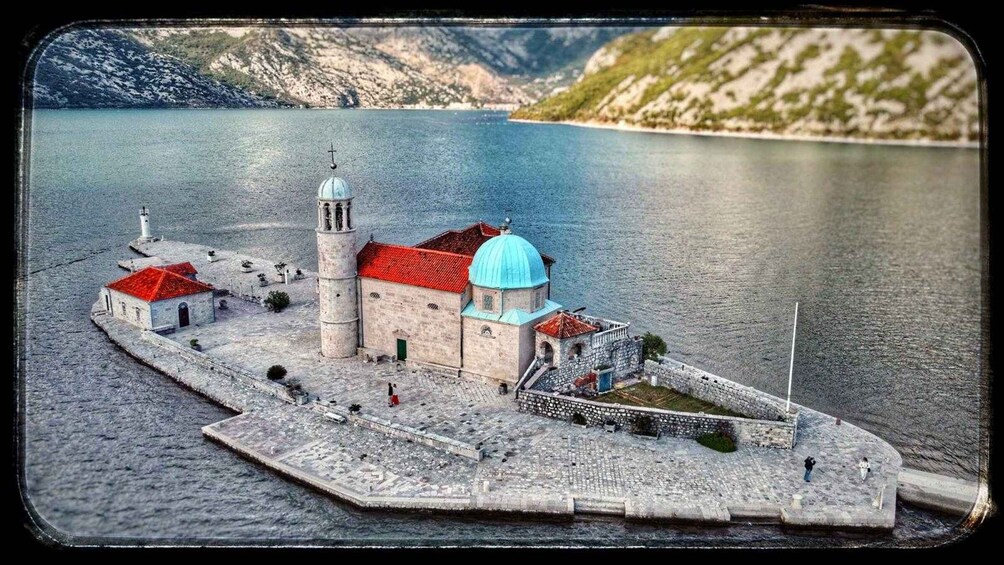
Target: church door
(182, 315)
(402, 350)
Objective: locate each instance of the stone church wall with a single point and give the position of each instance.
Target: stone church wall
(392, 311)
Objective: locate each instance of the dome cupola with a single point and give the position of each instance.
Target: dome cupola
(507, 261)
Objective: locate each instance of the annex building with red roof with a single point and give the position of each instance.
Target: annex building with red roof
(162, 298)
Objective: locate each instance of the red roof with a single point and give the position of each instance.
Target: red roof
(184, 269)
(158, 283)
(467, 241)
(427, 268)
(564, 325)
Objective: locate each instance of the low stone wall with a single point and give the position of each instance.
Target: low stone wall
(200, 359)
(624, 355)
(761, 433)
(394, 429)
(705, 386)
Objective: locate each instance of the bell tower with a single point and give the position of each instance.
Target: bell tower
(336, 267)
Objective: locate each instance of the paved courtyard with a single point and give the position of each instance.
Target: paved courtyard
(531, 463)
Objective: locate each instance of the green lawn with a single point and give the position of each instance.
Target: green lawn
(644, 394)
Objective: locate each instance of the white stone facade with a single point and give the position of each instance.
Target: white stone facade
(393, 311)
(162, 314)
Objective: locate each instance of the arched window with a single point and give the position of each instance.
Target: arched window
(327, 217)
(183, 315)
(338, 217)
(348, 216)
(488, 303)
(486, 331)
(547, 352)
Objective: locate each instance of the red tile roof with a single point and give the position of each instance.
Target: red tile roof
(158, 283)
(564, 325)
(184, 269)
(427, 268)
(466, 241)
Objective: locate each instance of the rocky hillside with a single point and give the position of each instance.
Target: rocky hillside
(107, 69)
(878, 84)
(313, 66)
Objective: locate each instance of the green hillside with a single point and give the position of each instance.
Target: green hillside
(877, 84)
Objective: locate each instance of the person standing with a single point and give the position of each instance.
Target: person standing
(865, 467)
(393, 398)
(809, 464)
(390, 395)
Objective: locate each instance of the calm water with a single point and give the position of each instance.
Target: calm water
(706, 241)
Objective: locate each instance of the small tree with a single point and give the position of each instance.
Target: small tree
(652, 346)
(280, 268)
(276, 372)
(277, 301)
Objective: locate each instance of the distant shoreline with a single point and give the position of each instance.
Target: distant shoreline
(770, 136)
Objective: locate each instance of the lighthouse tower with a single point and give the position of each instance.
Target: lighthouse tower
(336, 268)
(144, 225)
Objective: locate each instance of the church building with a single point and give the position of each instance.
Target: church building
(473, 302)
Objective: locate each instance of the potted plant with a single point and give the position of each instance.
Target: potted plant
(299, 274)
(211, 256)
(354, 408)
(579, 420)
(280, 268)
(262, 279)
(194, 343)
(246, 266)
(610, 426)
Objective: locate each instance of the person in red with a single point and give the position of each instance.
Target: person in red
(392, 399)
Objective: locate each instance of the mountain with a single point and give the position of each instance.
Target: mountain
(376, 67)
(108, 69)
(876, 84)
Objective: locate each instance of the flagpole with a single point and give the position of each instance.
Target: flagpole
(791, 366)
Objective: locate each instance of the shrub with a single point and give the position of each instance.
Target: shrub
(246, 264)
(578, 419)
(652, 346)
(718, 442)
(280, 268)
(642, 424)
(277, 301)
(193, 342)
(275, 372)
(354, 408)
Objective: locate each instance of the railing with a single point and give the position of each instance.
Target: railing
(611, 335)
(526, 375)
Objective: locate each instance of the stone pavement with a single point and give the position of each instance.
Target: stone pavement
(531, 464)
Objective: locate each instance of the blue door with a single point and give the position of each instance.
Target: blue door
(604, 381)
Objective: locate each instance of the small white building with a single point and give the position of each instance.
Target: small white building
(164, 298)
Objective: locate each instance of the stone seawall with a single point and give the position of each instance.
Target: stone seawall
(624, 355)
(711, 388)
(760, 433)
(215, 365)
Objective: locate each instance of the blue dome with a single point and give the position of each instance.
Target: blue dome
(507, 261)
(334, 189)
